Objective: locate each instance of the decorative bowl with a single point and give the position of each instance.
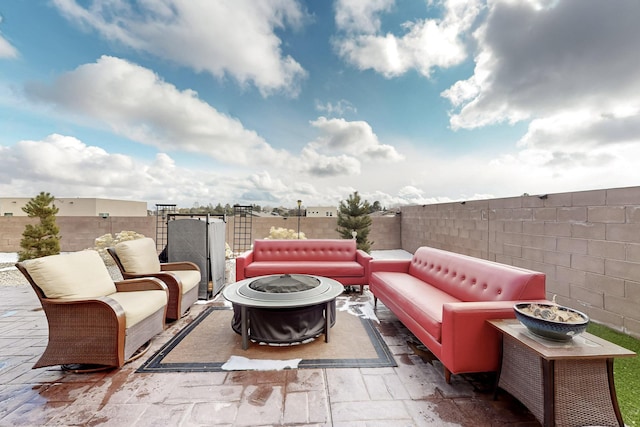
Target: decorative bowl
(561, 323)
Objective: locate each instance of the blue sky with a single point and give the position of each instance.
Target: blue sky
(271, 101)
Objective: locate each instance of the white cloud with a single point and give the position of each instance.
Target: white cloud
(582, 129)
(6, 49)
(224, 37)
(67, 167)
(63, 162)
(360, 16)
(354, 138)
(317, 164)
(424, 45)
(565, 60)
(572, 74)
(339, 108)
(136, 103)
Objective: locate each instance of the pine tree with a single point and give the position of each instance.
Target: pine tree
(40, 239)
(353, 215)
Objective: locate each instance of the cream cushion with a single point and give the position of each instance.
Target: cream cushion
(138, 256)
(74, 275)
(138, 305)
(188, 278)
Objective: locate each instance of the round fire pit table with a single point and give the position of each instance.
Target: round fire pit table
(283, 308)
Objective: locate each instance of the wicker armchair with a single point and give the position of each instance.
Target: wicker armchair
(92, 320)
(139, 258)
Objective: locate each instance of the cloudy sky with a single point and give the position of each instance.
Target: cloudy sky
(271, 101)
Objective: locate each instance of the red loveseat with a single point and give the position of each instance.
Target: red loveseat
(337, 259)
(445, 299)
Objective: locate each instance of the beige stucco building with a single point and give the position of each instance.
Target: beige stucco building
(322, 211)
(12, 206)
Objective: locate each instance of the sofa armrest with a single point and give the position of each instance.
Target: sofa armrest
(364, 259)
(176, 266)
(141, 284)
(394, 265)
(467, 339)
(242, 261)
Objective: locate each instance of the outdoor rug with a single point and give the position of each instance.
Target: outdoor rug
(208, 343)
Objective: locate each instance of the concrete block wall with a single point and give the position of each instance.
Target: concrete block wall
(78, 233)
(11, 229)
(587, 243)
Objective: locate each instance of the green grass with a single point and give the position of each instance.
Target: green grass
(626, 373)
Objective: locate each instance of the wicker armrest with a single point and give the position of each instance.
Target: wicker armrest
(175, 266)
(84, 331)
(98, 303)
(141, 284)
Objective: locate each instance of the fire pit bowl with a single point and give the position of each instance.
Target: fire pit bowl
(551, 321)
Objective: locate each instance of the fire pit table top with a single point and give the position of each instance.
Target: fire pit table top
(283, 291)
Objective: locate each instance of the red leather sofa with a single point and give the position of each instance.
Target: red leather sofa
(338, 259)
(445, 299)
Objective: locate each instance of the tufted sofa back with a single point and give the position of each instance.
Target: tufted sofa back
(304, 250)
(474, 279)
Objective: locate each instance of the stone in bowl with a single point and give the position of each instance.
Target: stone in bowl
(551, 321)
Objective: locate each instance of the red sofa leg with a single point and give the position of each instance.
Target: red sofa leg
(447, 376)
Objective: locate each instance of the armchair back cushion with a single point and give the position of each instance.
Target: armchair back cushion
(139, 256)
(75, 275)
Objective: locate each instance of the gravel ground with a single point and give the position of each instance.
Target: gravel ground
(10, 276)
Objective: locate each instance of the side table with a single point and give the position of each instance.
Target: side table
(562, 383)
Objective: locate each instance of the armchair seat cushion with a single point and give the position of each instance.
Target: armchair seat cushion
(139, 305)
(189, 278)
(82, 275)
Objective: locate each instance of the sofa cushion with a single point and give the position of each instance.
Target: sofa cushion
(74, 275)
(421, 302)
(138, 305)
(474, 279)
(188, 278)
(304, 250)
(319, 268)
(138, 256)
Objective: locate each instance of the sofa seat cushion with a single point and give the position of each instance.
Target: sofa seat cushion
(138, 256)
(138, 305)
(189, 278)
(75, 275)
(419, 300)
(317, 268)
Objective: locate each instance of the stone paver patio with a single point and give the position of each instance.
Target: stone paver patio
(412, 394)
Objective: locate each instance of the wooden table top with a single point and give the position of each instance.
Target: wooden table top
(583, 346)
